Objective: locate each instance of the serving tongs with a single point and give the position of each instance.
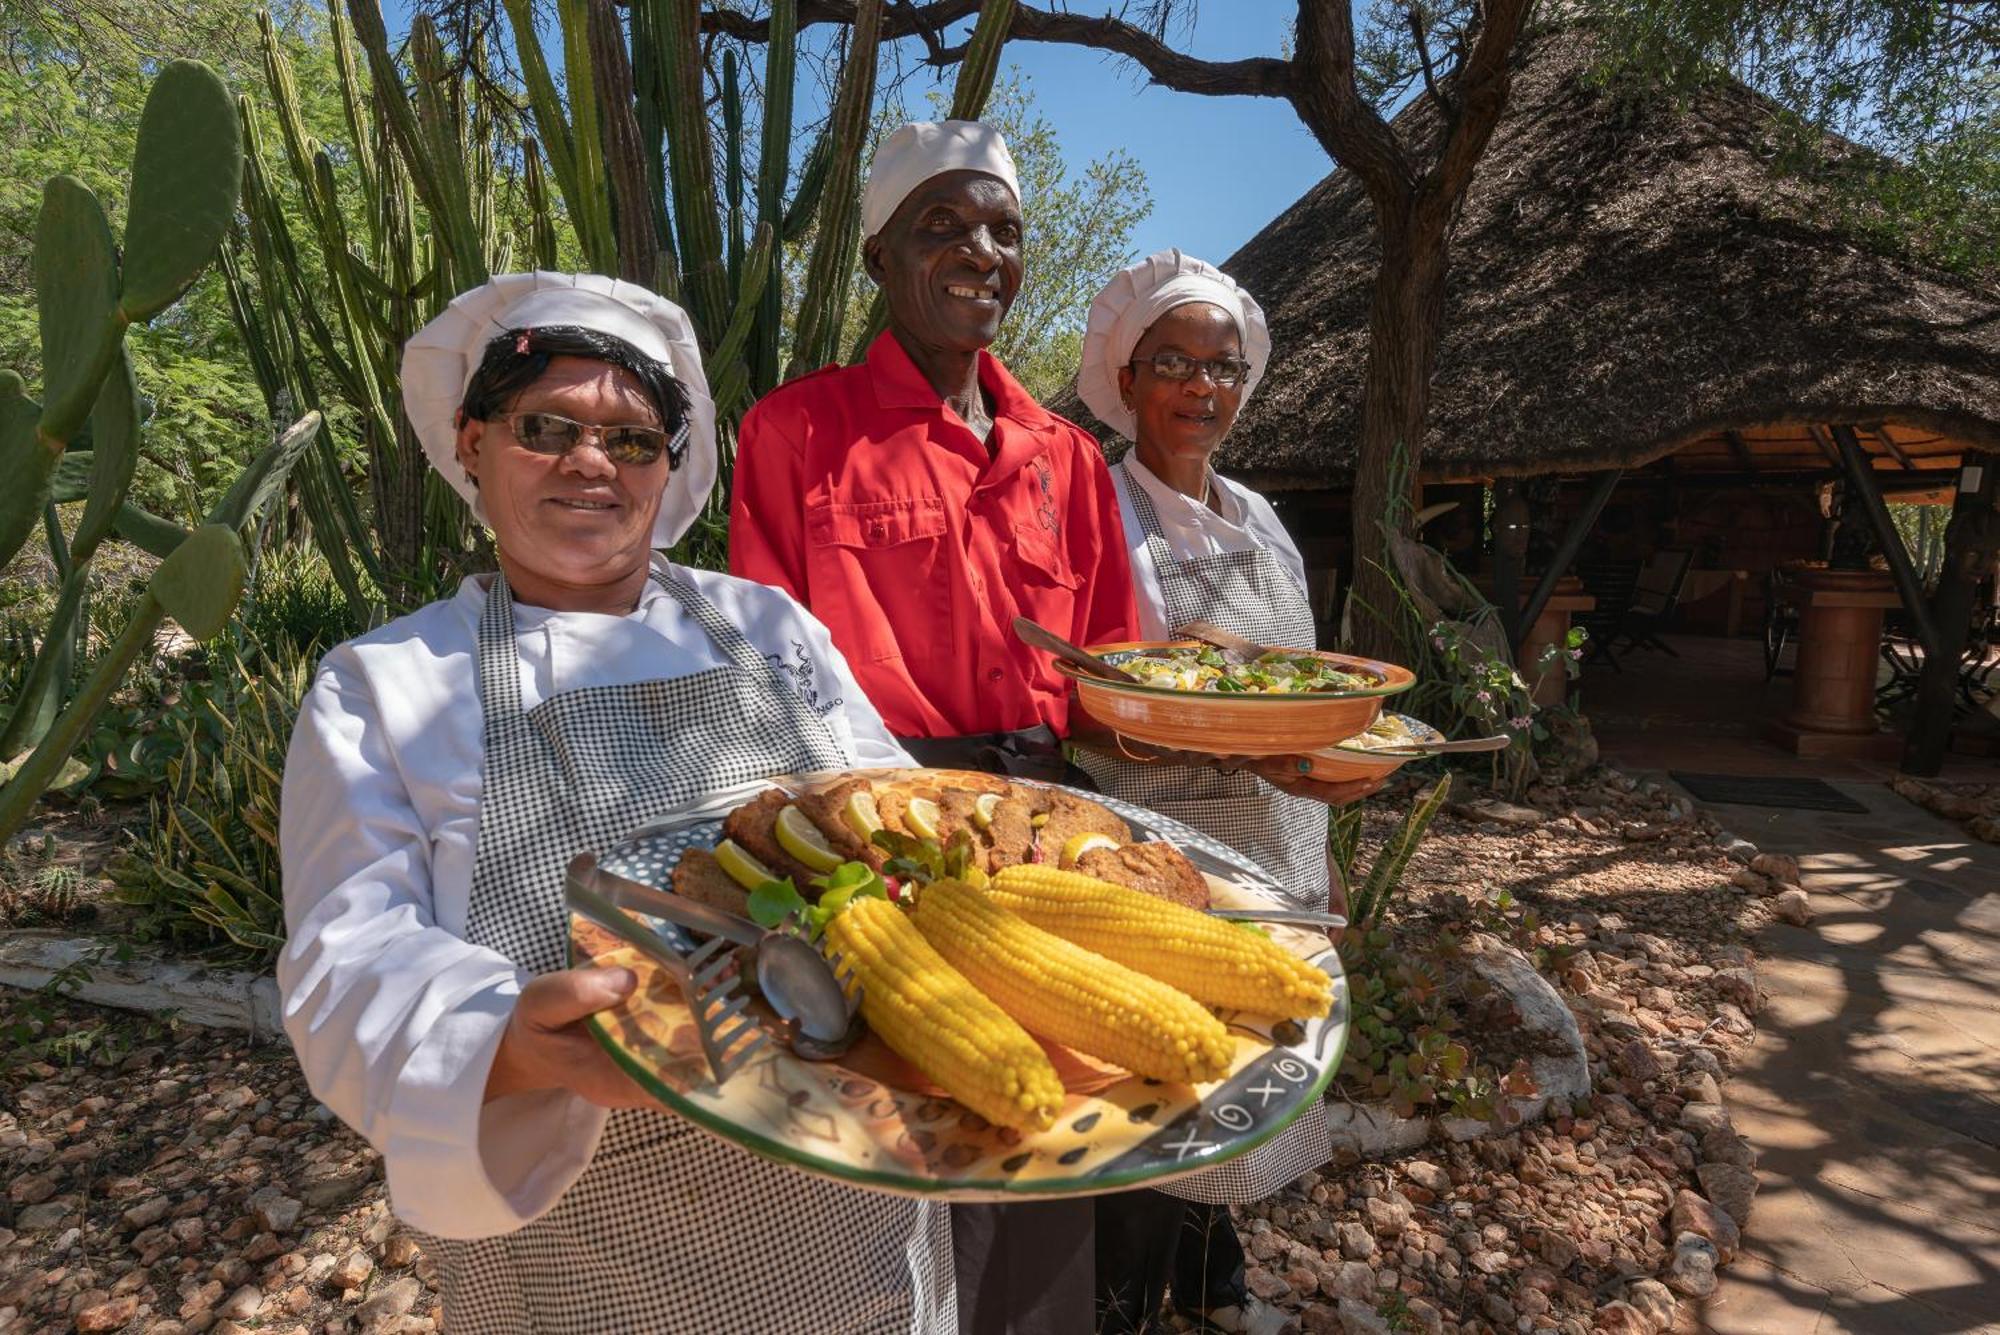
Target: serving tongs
(794, 978)
(1041, 637)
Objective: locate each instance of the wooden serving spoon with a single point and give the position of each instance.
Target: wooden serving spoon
(1227, 640)
(1041, 637)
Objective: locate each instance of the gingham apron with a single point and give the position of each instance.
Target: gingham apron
(669, 1229)
(1251, 593)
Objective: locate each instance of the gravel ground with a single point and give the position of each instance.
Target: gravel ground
(164, 1178)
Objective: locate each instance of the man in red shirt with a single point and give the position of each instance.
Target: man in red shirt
(920, 501)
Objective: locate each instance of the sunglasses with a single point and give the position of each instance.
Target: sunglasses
(1228, 372)
(546, 433)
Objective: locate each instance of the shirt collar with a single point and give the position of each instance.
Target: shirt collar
(898, 383)
(1232, 509)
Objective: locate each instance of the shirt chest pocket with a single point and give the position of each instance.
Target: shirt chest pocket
(1042, 559)
(880, 576)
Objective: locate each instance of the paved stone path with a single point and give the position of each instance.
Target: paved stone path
(1873, 1091)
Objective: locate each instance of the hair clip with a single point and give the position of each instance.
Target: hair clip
(521, 342)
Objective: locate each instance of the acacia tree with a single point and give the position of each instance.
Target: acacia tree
(1415, 187)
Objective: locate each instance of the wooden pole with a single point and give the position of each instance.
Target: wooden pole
(1908, 585)
(1970, 545)
(1510, 553)
(1572, 542)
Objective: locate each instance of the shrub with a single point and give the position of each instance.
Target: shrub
(207, 871)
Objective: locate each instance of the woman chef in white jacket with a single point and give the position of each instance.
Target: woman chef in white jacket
(1172, 349)
(446, 766)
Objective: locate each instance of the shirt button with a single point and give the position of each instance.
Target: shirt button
(994, 675)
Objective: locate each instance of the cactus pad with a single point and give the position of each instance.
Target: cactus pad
(186, 176)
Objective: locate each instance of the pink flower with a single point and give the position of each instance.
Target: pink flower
(1484, 697)
(1520, 724)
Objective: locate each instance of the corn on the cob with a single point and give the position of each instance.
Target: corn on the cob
(1066, 993)
(934, 1018)
(1211, 960)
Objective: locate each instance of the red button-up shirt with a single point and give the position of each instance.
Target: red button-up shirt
(859, 493)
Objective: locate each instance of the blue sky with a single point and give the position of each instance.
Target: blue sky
(1219, 167)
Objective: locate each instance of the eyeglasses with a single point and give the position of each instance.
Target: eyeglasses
(546, 433)
(1228, 372)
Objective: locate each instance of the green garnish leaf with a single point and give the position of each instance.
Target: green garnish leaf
(772, 901)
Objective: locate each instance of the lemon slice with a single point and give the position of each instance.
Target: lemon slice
(743, 869)
(1079, 844)
(1039, 819)
(922, 816)
(983, 808)
(798, 836)
(861, 814)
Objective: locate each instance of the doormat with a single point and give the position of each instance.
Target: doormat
(1742, 790)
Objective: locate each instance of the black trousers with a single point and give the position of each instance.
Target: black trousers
(1023, 1269)
(1148, 1241)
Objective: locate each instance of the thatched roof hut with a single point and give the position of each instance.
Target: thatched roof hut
(1629, 280)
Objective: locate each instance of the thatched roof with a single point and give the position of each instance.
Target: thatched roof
(1628, 278)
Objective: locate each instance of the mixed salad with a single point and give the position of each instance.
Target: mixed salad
(1280, 672)
(1392, 730)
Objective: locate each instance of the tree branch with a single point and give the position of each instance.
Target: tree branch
(1262, 76)
(1416, 18)
(1346, 124)
(1483, 81)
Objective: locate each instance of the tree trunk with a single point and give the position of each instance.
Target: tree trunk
(1970, 544)
(1403, 327)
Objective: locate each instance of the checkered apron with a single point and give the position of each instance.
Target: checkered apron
(669, 1229)
(1251, 593)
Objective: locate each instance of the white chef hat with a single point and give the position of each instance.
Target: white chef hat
(1129, 305)
(439, 362)
(922, 149)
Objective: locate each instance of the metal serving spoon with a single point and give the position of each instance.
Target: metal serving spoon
(796, 979)
(1041, 637)
(1290, 917)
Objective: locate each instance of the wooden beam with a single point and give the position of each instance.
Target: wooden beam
(1970, 545)
(1826, 447)
(1868, 490)
(1881, 433)
(1572, 543)
(1739, 449)
(1510, 552)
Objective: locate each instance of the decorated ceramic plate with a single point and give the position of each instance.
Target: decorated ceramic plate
(1246, 723)
(869, 1119)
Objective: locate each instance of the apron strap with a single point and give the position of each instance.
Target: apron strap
(1164, 560)
(736, 646)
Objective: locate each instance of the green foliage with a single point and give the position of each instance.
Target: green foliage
(1916, 82)
(207, 873)
(1367, 904)
(1416, 1009)
(294, 605)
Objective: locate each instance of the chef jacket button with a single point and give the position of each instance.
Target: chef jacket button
(993, 675)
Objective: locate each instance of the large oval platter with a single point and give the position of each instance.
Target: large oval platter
(869, 1119)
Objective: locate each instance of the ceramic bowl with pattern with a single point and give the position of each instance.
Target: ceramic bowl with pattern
(1234, 723)
(871, 1120)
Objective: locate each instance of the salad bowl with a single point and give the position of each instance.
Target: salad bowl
(1193, 697)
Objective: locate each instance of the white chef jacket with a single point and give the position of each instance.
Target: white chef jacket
(1192, 530)
(395, 1016)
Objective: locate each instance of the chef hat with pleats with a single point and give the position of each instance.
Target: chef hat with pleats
(439, 362)
(1129, 305)
(922, 149)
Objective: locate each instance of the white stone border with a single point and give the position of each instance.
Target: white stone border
(224, 998)
(1373, 1131)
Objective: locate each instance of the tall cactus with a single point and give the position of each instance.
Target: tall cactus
(820, 310)
(184, 182)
